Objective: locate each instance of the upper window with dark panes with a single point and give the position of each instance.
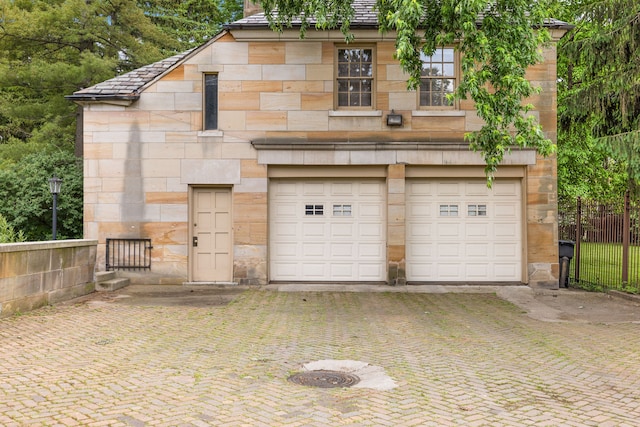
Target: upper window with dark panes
(438, 78)
(355, 77)
(210, 101)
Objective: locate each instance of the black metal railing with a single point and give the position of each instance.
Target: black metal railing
(607, 242)
(128, 254)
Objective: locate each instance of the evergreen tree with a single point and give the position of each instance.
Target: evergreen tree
(49, 49)
(600, 90)
(52, 48)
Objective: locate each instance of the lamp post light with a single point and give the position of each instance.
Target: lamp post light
(55, 184)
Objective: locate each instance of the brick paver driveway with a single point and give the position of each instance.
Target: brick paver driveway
(457, 359)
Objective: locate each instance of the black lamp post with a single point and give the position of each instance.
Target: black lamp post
(55, 184)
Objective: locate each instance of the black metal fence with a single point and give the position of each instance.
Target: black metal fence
(128, 254)
(607, 243)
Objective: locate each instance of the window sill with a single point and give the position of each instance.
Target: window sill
(438, 113)
(212, 132)
(355, 113)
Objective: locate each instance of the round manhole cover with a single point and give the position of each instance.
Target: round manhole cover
(324, 379)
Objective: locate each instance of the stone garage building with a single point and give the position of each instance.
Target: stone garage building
(259, 157)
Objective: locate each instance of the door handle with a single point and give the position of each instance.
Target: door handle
(195, 241)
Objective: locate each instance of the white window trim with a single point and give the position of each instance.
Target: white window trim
(374, 81)
(439, 113)
(444, 109)
(211, 132)
(355, 113)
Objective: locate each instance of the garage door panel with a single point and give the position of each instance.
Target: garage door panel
(448, 189)
(286, 210)
(370, 211)
(419, 231)
(336, 227)
(373, 250)
(314, 250)
(342, 189)
(451, 271)
(371, 189)
(285, 270)
(283, 250)
(463, 231)
(449, 230)
(342, 231)
(420, 252)
(370, 231)
(313, 189)
(284, 229)
(342, 249)
(425, 272)
(477, 230)
(453, 250)
(478, 250)
(312, 271)
(506, 230)
(286, 189)
(421, 210)
(476, 271)
(371, 271)
(505, 210)
(420, 188)
(313, 229)
(506, 188)
(341, 271)
(506, 249)
(506, 270)
(475, 189)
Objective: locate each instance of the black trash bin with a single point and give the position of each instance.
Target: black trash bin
(565, 250)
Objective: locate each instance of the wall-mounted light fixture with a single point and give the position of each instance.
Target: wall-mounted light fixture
(394, 119)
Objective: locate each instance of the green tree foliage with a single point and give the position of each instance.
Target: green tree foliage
(192, 22)
(599, 96)
(585, 169)
(49, 49)
(8, 234)
(52, 48)
(498, 40)
(27, 202)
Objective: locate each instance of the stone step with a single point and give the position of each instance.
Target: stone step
(103, 276)
(111, 284)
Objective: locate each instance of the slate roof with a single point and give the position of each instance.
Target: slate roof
(128, 86)
(364, 17)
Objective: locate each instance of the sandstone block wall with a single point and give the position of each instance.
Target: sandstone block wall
(141, 160)
(35, 274)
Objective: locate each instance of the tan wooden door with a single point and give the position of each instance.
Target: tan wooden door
(211, 235)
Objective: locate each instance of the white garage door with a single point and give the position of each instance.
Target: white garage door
(463, 231)
(327, 230)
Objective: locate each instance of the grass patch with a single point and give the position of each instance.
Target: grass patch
(601, 268)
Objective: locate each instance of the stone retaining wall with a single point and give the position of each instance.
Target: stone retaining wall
(36, 274)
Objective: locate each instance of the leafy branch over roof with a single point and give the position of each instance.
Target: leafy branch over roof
(499, 40)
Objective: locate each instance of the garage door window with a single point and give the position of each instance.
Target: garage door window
(314, 210)
(341, 210)
(477, 210)
(448, 210)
